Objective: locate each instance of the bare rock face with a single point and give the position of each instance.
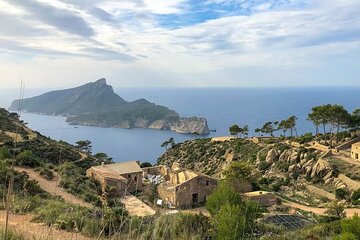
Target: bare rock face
(293, 158)
(123, 124)
(296, 168)
(339, 184)
(141, 123)
(192, 125)
(160, 124)
(271, 156)
(321, 169)
(284, 156)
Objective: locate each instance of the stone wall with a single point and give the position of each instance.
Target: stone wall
(134, 181)
(156, 170)
(167, 193)
(321, 147)
(105, 182)
(201, 185)
(348, 144)
(355, 151)
(262, 198)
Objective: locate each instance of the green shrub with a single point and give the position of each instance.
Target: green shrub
(352, 226)
(341, 193)
(145, 164)
(307, 137)
(4, 153)
(27, 158)
(26, 205)
(223, 194)
(46, 173)
(73, 179)
(178, 226)
(264, 165)
(236, 221)
(355, 197)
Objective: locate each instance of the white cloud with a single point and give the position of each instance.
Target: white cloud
(119, 38)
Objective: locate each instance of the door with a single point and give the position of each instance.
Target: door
(195, 199)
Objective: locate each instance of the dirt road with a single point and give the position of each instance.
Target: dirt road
(52, 187)
(22, 224)
(320, 211)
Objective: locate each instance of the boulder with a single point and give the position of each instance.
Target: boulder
(293, 158)
(271, 156)
(329, 181)
(294, 168)
(320, 169)
(284, 156)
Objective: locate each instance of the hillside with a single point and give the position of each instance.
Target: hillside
(51, 187)
(296, 171)
(209, 157)
(96, 104)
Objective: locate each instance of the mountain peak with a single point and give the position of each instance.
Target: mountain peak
(101, 81)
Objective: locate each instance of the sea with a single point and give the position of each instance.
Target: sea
(222, 107)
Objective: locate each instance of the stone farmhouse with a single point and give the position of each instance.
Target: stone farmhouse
(355, 151)
(126, 177)
(177, 187)
(185, 188)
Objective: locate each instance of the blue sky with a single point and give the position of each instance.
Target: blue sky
(180, 43)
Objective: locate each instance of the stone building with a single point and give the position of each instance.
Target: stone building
(126, 177)
(355, 151)
(185, 188)
(265, 199)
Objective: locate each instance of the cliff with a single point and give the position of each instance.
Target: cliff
(96, 104)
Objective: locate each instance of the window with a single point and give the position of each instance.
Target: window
(356, 156)
(135, 178)
(207, 183)
(129, 176)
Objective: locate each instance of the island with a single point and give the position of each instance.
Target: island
(96, 104)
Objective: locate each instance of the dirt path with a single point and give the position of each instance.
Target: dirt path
(52, 187)
(320, 211)
(32, 231)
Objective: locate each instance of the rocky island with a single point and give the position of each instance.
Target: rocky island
(96, 104)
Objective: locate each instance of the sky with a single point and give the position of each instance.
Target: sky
(180, 43)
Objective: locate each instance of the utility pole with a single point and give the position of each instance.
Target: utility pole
(10, 189)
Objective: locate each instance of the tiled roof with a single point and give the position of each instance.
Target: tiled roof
(122, 168)
(108, 174)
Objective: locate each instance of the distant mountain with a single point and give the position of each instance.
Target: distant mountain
(96, 104)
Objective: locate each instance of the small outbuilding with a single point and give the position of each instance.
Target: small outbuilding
(355, 151)
(126, 177)
(265, 199)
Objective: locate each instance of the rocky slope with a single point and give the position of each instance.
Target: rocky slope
(296, 172)
(96, 104)
(209, 157)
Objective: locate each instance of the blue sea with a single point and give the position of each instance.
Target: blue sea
(222, 107)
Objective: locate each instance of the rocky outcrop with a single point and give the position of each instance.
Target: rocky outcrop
(321, 169)
(271, 156)
(191, 125)
(300, 164)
